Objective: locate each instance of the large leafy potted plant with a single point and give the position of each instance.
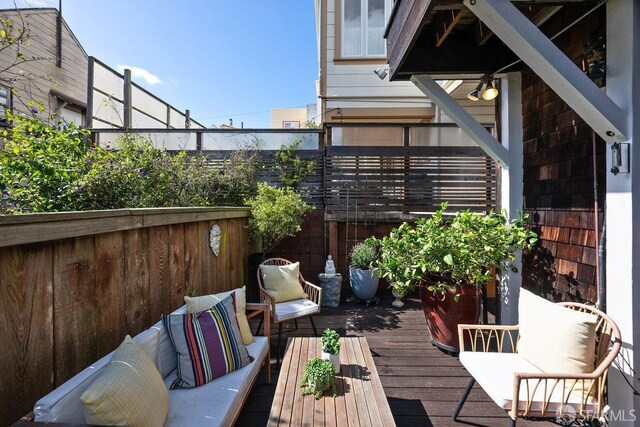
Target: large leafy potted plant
(450, 260)
(276, 213)
(362, 278)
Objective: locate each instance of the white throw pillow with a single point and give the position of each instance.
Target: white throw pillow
(554, 338)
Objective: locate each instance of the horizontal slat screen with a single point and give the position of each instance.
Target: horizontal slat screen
(408, 179)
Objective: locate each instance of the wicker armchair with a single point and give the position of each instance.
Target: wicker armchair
(536, 394)
(290, 310)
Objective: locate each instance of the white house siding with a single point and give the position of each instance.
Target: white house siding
(71, 78)
(361, 96)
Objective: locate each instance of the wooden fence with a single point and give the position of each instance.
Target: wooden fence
(403, 180)
(311, 188)
(72, 285)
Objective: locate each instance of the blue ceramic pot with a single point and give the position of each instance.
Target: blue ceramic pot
(364, 283)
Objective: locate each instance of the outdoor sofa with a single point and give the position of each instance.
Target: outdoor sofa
(217, 403)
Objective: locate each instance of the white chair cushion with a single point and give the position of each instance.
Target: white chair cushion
(218, 402)
(294, 309)
(494, 372)
(556, 338)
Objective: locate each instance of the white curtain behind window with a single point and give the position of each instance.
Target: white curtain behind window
(375, 27)
(352, 28)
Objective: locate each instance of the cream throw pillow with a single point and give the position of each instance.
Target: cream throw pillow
(282, 281)
(205, 302)
(128, 391)
(556, 339)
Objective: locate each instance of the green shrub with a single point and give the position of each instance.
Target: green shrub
(43, 169)
(293, 169)
(363, 255)
(318, 377)
(451, 252)
(276, 213)
(40, 166)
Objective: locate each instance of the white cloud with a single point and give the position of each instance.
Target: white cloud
(141, 73)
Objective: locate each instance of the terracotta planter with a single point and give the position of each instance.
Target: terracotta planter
(444, 316)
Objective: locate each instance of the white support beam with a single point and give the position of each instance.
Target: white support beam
(462, 118)
(622, 214)
(511, 186)
(553, 66)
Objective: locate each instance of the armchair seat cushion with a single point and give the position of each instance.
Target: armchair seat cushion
(494, 372)
(293, 309)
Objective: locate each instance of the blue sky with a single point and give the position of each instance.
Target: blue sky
(221, 59)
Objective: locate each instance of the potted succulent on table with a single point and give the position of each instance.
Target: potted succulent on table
(276, 213)
(331, 348)
(450, 260)
(362, 278)
(318, 377)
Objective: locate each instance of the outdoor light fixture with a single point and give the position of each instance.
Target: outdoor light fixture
(620, 158)
(380, 72)
(474, 95)
(489, 93)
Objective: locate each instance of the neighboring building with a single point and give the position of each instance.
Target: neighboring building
(294, 118)
(351, 46)
(59, 79)
(288, 118)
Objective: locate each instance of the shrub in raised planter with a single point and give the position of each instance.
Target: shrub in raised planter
(362, 278)
(450, 260)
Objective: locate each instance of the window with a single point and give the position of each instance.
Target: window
(363, 23)
(291, 125)
(5, 102)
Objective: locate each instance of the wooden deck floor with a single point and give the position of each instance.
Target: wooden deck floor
(422, 384)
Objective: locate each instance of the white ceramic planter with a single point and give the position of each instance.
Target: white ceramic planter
(334, 358)
(398, 296)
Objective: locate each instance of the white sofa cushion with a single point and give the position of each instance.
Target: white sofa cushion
(494, 372)
(218, 402)
(63, 404)
(293, 309)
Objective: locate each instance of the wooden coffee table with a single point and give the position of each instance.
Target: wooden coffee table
(360, 399)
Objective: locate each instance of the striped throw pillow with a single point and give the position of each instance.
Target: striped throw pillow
(208, 344)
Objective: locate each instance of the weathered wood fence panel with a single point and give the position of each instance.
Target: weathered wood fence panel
(67, 301)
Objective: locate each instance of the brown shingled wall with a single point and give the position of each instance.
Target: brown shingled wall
(558, 176)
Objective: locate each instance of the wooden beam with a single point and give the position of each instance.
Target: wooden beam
(553, 66)
(462, 118)
(445, 22)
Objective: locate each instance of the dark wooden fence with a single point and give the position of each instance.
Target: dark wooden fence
(311, 188)
(72, 285)
(403, 180)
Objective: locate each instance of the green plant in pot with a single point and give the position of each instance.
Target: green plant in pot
(331, 348)
(318, 377)
(362, 278)
(450, 260)
(276, 213)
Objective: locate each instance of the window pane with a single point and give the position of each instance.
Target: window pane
(352, 28)
(375, 27)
